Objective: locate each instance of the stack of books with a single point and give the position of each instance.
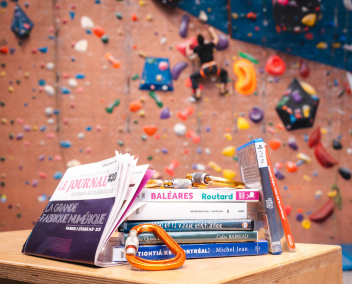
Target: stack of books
(205, 222)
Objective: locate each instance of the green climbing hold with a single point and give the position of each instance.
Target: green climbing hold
(11, 136)
(144, 137)
(105, 39)
(120, 142)
(135, 121)
(19, 215)
(154, 96)
(18, 82)
(235, 158)
(119, 15)
(3, 65)
(2, 104)
(256, 93)
(34, 97)
(135, 77)
(248, 57)
(150, 158)
(2, 159)
(111, 107)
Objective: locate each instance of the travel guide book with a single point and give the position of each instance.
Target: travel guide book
(88, 205)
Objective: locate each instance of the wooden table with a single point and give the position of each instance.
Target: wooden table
(309, 264)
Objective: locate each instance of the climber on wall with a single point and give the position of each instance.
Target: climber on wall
(209, 65)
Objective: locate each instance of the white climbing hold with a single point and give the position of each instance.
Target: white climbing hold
(72, 83)
(203, 16)
(73, 163)
(50, 66)
(207, 151)
(180, 129)
(86, 23)
(200, 167)
(51, 121)
(80, 135)
(163, 40)
(49, 111)
(50, 91)
(81, 45)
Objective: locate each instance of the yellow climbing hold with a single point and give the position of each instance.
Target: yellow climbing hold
(322, 45)
(3, 73)
(323, 130)
(234, 16)
(228, 151)
(141, 113)
(332, 194)
(142, 3)
(229, 174)
(304, 157)
(307, 178)
(309, 20)
(11, 89)
(4, 121)
(308, 88)
(149, 17)
(35, 128)
(306, 224)
(242, 123)
(336, 45)
(215, 166)
(26, 74)
(228, 136)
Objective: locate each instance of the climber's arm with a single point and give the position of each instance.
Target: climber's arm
(214, 35)
(189, 51)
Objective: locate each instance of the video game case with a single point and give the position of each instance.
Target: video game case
(194, 225)
(197, 237)
(116, 252)
(152, 211)
(198, 195)
(254, 173)
(280, 206)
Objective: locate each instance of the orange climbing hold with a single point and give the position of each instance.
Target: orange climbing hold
(275, 65)
(135, 105)
(150, 129)
(98, 31)
(274, 144)
(184, 114)
(291, 167)
(115, 63)
(134, 17)
(247, 78)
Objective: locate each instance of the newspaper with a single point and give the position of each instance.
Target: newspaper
(88, 205)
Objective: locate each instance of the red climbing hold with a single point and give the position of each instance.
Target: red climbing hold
(288, 209)
(4, 49)
(314, 137)
(323, 213)
(323, 156)
(188, 84)
(98, 31)
(184, 114)
(303, 69)
(134, 17)
(181, 47)
(150, 129)
(191, 134)
(135, 105)
(274, 144)
(275, 65)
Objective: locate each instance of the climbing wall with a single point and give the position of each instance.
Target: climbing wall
(37, 142)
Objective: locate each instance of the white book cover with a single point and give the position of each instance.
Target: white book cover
(198, 195)
(189, 211)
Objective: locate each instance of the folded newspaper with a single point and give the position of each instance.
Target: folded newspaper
(88, 205)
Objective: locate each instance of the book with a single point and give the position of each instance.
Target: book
(197, 237)
(152, 211)
(198, 195)
(116, 252)
(194, 225)
(280, 206)
(254, 173)
(88, 205)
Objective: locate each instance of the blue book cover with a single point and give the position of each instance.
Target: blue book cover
(159, 252)
(194, 225)
(255, 174)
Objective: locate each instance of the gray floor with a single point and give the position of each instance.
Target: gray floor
(347, 277)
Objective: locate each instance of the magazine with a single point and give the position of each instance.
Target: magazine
(88, 205)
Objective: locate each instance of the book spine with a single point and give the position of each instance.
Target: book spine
(198, 195)
(159, 252)
(152, 211)
(270, 220)
(196, 237)
(195, 225)
(280, 205)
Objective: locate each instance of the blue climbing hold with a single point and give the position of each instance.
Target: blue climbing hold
(164, 150)
(72, 15)
(65, 144)
(199, 150)
(57, 112)
(88, 32)
(41, 82)
(65, 91)
(43, 49)
(58, 175)
(21, 25)
(3, 4)
(80, 76)
(89, 128)
(42, 128)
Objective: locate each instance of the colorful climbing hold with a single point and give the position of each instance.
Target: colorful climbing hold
(228, 151)
(275, 65)
(215, 166)
(323, 156)
(229, 174)
(242, 123)
(291, 167)
(111, 106)
(98, 31)
(248, 57)
(156, 98)
(183, 115)
(256, 114)
(274, 144)
(306, 224)
(191, 134)
(247, 79)
(314, 137)
(135, 105)
(150, 129)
